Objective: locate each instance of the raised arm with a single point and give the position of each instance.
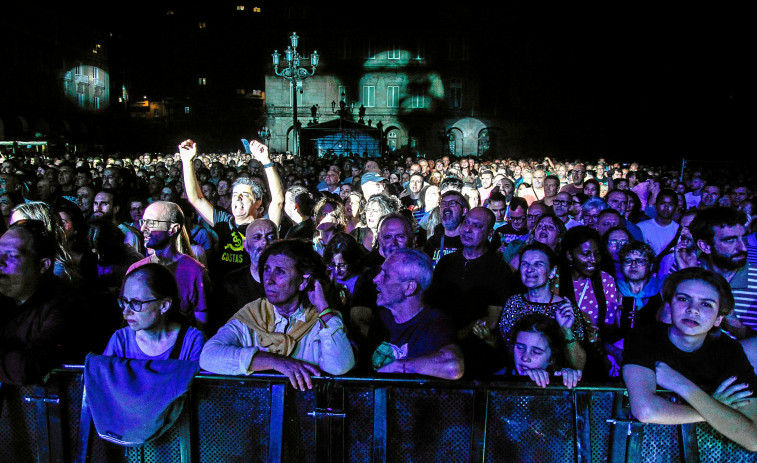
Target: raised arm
(260, 153)
(446, 363)
(188, 151)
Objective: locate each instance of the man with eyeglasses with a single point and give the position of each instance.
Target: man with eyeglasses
(163, 227)
(577, 176)
(517, 226)
(561, 206)
(638, 286)
(42, 321)
(452, 207)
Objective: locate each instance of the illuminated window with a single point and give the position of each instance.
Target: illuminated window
(256, 9)
(345, 52)
(369, 96)
(391, 140)
(370, 50)
(240, 7)
(241, 91)
(394, 52)
(169, 12)
(202, 81)
(186, 109)
(393, 96)
(202, 25)
(455, 93)
(418, 100)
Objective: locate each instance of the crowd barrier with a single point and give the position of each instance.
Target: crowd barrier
(352, 419)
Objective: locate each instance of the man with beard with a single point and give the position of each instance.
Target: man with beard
(487, 185)
(453, 207)
(471, 286)
(719, 234)
(243, 285)
(577, 176)
(662, 230)
(163, 228)
(107, 206)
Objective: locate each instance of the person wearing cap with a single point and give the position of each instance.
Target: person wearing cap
(372, 184)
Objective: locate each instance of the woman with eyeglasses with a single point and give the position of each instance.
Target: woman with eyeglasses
(342, 257)
(156, 329)
(613, 241)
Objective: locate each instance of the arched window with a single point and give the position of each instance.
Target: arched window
(483, 142)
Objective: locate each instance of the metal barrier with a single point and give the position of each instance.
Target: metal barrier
(351, 419)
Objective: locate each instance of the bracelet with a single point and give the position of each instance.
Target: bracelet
(326, 311)
(266, 166)
(570, 341)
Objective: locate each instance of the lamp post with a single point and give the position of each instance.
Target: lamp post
(295, 75)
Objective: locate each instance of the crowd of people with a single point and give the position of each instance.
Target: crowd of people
(559, 272)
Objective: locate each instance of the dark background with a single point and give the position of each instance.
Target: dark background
(641, 83)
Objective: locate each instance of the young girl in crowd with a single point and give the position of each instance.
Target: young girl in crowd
(538, 348)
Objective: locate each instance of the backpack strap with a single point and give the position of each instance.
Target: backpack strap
(174, 355)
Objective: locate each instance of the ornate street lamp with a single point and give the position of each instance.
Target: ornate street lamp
(295, 75)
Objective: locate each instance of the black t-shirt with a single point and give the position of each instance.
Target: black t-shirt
(231, 254)
(436, 251)
(463, 289)
(239, 289)
(424, 334)
(506, 234)
(304, 230)
(719, 358)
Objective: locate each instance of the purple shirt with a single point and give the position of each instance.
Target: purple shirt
(123, 344)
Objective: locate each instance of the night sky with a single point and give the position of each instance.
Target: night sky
(628, 83)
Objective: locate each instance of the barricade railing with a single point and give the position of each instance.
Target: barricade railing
(355, 419)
